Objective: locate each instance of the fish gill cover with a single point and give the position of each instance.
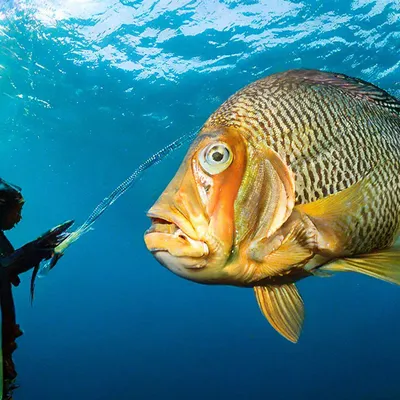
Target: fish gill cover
(89, 90)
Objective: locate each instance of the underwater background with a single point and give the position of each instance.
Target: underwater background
(90, 89)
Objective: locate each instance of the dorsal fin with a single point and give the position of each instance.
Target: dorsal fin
(354, 86)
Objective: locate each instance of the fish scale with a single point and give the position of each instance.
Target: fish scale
(332, 131)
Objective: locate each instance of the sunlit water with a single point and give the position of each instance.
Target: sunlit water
(89, 89)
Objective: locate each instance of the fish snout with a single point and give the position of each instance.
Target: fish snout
(168, 234)
(174, 243)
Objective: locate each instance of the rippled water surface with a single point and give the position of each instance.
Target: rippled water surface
(91, 88)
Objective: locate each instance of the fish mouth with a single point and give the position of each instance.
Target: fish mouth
(165, 235)
(161, 225)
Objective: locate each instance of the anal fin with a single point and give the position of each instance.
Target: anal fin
(384, 265)
(283, 307)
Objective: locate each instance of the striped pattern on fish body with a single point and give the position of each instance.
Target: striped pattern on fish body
(295, 175)
(332, 131)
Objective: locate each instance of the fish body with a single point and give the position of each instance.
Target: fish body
(295, 175)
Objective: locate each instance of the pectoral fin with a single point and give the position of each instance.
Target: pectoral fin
(333, 215)
(292, 247)
(384, 265)
(340, 204)
(283, 307)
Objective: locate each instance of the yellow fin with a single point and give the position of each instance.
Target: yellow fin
(292, 248)
(339, 204)
(289, 255)
(384, 265)
(335, 215)
(283, 307)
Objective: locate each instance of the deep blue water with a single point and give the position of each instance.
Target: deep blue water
(89, 89)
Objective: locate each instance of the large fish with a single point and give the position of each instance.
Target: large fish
(295, 175)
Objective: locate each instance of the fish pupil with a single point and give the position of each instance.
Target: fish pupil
(217, 156)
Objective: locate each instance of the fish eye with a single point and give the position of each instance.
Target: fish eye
(215, 158)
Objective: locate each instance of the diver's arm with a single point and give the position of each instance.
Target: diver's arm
(24, 259)
(31, 254)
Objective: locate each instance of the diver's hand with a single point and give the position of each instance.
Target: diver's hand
(52, 238)
(31, 254)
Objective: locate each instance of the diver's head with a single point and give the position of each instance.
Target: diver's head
(11, 202)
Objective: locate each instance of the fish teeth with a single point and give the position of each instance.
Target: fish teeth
(192, 242)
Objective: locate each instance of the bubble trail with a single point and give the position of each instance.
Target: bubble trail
(71, 237)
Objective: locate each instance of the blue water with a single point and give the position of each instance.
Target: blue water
(91, 88)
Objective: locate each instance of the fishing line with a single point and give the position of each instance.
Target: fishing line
(71, 237)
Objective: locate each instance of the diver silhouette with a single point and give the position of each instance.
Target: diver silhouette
(12, 264)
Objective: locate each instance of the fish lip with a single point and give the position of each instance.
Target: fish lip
(190, 267)
(192, 259)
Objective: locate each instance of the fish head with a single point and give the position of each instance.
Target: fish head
(208, 212)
